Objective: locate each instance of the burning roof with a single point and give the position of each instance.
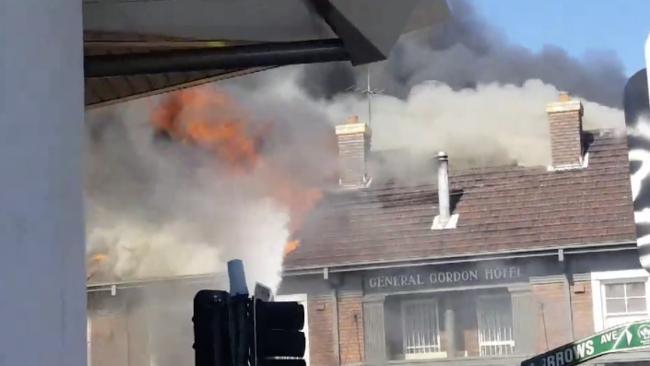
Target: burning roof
(238, 156)
(502, 210)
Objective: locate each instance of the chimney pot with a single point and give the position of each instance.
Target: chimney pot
(564, 96)
(352, 120)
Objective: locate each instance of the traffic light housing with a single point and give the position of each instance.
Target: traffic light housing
(242, 331)
(211, 328)
(279, 340)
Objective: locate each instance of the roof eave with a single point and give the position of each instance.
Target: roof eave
(569, 249)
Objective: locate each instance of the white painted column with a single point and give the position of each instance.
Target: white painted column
(647, 63)
(42, 282)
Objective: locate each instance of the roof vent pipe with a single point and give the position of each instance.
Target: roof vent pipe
(444, 219)
(443, 188)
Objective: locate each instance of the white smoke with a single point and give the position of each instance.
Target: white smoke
(489, 124)
(160, 209)
(486, 125)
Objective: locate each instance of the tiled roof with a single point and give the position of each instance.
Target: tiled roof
(500, 210)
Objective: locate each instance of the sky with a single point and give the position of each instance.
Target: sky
(579, 26)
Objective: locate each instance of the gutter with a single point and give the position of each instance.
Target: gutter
(229, 74)
(115, 285)
(573, 249)
(212, 58)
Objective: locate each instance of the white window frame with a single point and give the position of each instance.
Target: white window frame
(425, 355)
(510, 342)
(302, 299)
(600, 279)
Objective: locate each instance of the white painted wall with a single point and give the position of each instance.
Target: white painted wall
(42, 289)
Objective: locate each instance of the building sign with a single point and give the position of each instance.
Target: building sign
(622, 338)
(443, 277)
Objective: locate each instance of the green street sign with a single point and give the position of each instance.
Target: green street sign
(621, 338)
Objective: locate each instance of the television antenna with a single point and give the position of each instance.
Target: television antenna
(368, 91)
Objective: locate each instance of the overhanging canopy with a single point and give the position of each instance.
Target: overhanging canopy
(136, 48)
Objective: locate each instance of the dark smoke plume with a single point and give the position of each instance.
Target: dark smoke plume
(466, 51)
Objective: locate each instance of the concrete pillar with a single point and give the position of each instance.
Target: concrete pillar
(42, 272)
(523, 319)
(374, 330)
(450, 330)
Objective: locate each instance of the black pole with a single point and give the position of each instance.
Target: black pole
(268, 54)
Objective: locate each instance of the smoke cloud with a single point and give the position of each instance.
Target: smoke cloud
(158, 208)
(465, 52)
(491, 124)
(486, 125)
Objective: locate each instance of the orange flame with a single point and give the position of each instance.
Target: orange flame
(98, 258)
(291, 246)
(94, 261)
(209, 119)
(212, 120)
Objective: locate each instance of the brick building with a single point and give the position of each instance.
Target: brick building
(485, 267)
(144, 322)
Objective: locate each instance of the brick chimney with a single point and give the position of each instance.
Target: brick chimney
(354, 145)
(565, 124)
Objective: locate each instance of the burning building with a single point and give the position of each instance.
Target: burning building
(472, 266)
(477, 267)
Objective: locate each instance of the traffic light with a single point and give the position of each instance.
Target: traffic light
(232, 329)
(211, 328)
(279, 340)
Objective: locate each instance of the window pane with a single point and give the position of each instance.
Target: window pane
(495, 326)
(614, 290)
(637, 304)
(615, 306)
(611, 321)
(420, 328)
(636, 289)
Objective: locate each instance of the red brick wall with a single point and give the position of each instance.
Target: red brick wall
(566, 142)
(582, 304)
(552, 315)
(109, 343)
(552, 299)
(322, 335)
(353, 148)
(351, 329)
(551, 309)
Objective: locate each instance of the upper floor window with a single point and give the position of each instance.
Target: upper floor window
(619, 297)
(624, 301)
